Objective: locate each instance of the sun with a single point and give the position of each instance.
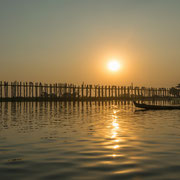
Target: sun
(113, 65)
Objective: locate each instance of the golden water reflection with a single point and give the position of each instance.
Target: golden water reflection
(105, 139)
(119, 135)
(115, 130)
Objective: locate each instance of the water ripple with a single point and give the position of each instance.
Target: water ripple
(92, 140)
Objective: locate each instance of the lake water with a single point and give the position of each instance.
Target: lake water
(109, 140)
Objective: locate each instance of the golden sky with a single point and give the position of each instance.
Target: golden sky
(73, 40)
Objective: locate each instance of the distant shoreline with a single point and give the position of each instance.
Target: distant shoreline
(27, 99)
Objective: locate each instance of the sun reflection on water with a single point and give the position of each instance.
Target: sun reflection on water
(115, 125)
(118, 136)
(116, 146)
(115, 130)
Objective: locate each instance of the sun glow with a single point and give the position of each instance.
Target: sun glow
(113, 65)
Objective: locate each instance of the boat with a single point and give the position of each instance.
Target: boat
(155, 107)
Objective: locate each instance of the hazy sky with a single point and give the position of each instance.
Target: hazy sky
(72, 40)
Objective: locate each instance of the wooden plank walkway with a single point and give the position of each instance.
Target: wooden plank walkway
(29, 91)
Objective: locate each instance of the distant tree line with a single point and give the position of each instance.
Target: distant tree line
(175, 91)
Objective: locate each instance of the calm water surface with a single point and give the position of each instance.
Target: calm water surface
(88, 141)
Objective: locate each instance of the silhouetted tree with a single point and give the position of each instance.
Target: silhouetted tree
(175, 92)
(178, 86)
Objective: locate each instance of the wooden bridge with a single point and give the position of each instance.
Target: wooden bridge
(29, 91)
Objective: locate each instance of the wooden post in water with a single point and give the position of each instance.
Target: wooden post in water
(32, 90)
(26, 89)
(95, 91)
(112, 91)
(132, 91)
(50, 91)
(78, 91)
(132, 95)
(90, 91)
(44, 90)
(11, 90)
(99, 95)
(105, 91)
(118, 91)
(82, 91)
(87, 91)
(102, 91)
(122, 91)
(159, 92)
(6, 90)
(40, 89)
(74, 92)
(14, 89)
(115, 92)
(56, 89)
(109, 91)
(59, 90)
(20, 89)
(1, 89)
(144, 91)
(65, 89)
(47, 89)
(128, 92)
(125, 91)
(166, 92)
(155, 92)
(163, 92)
(53, 89)
(29, 89)
(36, 89)
(17, 87)
(70, 88)
(149, 92)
